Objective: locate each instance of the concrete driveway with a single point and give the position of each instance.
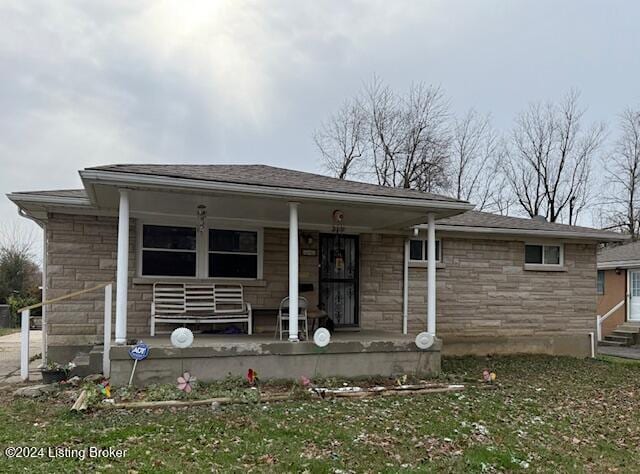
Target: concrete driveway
(10, 356)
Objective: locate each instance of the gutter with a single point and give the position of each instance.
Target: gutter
(119, 179)
(45, 199)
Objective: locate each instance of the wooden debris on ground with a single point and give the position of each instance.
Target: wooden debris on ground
(81, 402)
(321, 393)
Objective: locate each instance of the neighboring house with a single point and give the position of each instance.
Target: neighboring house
(619, 293)
(497, 284)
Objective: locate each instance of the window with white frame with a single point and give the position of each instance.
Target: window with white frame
(169, 251)
(183, 251)
(541, 254)
(418, 250)
(233, 253)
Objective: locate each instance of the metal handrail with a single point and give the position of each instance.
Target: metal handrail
(600, 319)
(25, 315)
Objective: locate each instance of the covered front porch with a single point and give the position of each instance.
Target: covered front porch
(329, 246)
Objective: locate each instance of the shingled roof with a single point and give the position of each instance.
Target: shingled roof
(620, 254)
(271, 176)
(487, 221)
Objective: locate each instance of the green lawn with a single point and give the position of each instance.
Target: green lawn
(547, 415)
(6, 331)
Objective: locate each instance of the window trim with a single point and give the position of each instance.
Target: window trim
(424, 252)
(558, 267)
(202, 248)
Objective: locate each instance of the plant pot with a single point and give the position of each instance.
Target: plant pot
(53, 376)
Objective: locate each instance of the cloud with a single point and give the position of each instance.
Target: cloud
(87, 83)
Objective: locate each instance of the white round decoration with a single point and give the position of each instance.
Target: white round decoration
(424, 340)
(181, 338)
(321, 337)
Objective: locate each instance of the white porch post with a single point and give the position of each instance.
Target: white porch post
(24, 344)
(122, 273)
(293, 271)
(431, 274)
(44, 294)
(405, 288)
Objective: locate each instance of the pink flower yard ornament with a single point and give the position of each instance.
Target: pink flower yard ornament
(185, 382)
(252, 377)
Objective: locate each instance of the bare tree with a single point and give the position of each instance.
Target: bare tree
(477, 162)
(341, 140)
(622, 167)
(550, 158)
(396, 140)
(409, 137)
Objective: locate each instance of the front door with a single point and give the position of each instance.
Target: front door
(634, 295)
(339, 278)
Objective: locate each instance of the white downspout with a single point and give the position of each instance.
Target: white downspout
(293, 271)
(122, 273)
(431, 274)
(405, 289)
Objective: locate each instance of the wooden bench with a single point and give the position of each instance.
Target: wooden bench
(192, 303)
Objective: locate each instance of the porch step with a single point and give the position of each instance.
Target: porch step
(607, 342)
(82, 367)
(627, 331)
(630, 328)
(615, 336)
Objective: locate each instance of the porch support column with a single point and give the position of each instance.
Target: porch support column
(122, 273)
(431, 274)
(293, 271)
(405, 288)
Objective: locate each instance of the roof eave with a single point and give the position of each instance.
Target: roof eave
(91, 177)
(612, 265)
(590, 236)
(18, 198)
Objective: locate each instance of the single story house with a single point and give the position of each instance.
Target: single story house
(619, 294)
(384, 263)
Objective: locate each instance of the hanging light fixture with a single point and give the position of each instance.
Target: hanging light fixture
(202, 217)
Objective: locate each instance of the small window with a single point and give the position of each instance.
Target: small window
(418, 251)
(168, 251)
(233, 253)
(542, 254)
(600, 283)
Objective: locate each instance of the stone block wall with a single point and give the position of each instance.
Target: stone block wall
(482, 287)
(82, 253)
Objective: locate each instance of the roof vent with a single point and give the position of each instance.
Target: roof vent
(539, 218)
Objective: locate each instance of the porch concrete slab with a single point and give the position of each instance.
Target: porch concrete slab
(216, 357)
(632, 352)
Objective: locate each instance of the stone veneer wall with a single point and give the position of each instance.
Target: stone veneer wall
(82, 253)
(482, 289)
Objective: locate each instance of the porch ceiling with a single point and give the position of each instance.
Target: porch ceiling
(269, 210)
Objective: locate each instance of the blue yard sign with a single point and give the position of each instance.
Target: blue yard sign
(139, 352)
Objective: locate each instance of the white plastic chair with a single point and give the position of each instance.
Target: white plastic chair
(283, 315)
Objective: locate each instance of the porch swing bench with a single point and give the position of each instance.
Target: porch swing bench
(187, 303)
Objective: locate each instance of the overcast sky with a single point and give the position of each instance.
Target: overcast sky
(248, 82)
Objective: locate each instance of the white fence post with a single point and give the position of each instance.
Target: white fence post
(106, 359)
(599, 328)
(24, 345)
